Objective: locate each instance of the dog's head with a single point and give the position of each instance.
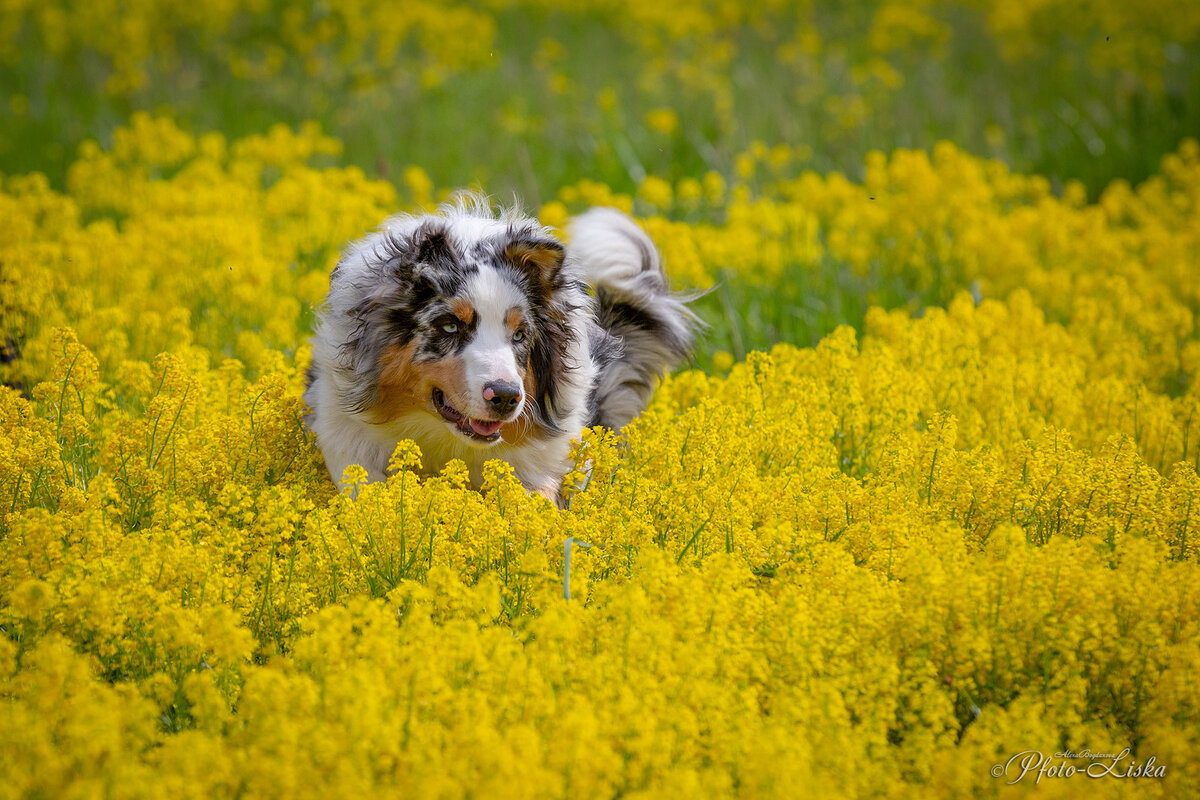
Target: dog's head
(460, 324)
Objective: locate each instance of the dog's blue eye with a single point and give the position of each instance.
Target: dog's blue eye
(518, 336)
(450, 327)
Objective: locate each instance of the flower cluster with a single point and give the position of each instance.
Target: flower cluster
(132, 36)
(135, 39)
(1092, 307)
(876, 566)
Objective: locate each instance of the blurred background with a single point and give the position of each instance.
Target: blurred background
(525, 96)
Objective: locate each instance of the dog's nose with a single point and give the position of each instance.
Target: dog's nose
(502, 396)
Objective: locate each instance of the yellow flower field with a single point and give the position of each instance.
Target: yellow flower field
(875, 567)
(922, 518)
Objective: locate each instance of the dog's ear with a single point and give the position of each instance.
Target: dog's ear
(540, 258)
(433, 246)
(435, 261)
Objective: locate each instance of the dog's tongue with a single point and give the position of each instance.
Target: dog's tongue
(485, 428)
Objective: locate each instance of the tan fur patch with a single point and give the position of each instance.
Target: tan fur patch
(518, 430)
(529, 382)
(514, 318)
(529, 255)
(397, 393)
(463, 310)
(449, 375)
(405, 387)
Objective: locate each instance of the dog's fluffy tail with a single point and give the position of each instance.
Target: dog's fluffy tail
(656, 329)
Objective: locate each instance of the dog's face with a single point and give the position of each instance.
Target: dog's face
(456, 334)
(466, 363)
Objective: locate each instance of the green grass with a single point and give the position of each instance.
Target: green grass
(1054, 115)
(801, 308)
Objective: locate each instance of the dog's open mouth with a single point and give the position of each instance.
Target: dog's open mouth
(484, 430)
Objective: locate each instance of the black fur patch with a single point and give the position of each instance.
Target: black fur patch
(548, 358)
(649, 259)
(438, 343)
(621, 318)
(433, 247)
(427, 261)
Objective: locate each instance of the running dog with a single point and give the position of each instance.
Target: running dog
(478, 335)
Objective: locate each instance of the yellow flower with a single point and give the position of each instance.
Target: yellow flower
(419, 185)
(657, 192)
(353, 478)
(553, 214)
(663, 120)
(406, 456)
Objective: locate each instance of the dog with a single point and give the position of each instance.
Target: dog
(477, 334)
